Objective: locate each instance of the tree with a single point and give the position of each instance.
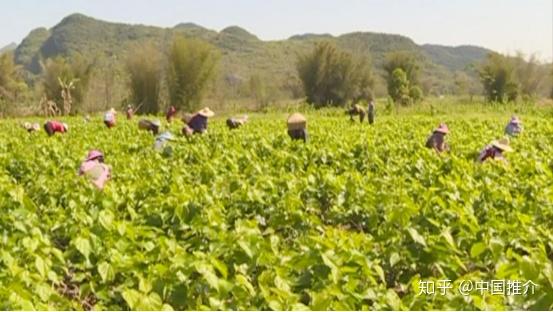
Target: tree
(11, 84)
(63, 78)
(398, 87)
(333, 77)
(258, 89)
(406, 61)
(144, 67)
(497, 75)
(402, 78)
(529, 75)
(191, 66)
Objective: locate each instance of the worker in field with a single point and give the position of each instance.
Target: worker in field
(495, 150)
(297, 127)
(94, 169)
(130, 112)
(514, 127)
(196, 123)
(109, 118)
(437, 139)
(162, 141)
(149, 125)
(371, 112)
(52, 127)
(31, 127)
(357, 110)
(235, 123)
(171, 112)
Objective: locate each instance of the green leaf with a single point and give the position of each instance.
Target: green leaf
(477, 249)
(132, 298)
(106, 271)
(220, 266)
(41, 266)
(416, 236)
(83, 246)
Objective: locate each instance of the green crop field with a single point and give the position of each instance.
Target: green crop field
(361, 217)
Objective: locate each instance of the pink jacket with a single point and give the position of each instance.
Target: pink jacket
(97, 172)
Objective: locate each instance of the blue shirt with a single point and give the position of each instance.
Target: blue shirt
(198, 123)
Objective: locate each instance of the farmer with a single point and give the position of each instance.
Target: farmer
(31, 127)
(130, 112)
(297, 127)
(161, 143)
(514, 127)
(148, 125)
(51, 127)
(370, 113)
(109, 118)
(93, 168)
(234, 123)
(197, 123)
(171, 112)
(495, 150)
(357, 110)
(437, 139)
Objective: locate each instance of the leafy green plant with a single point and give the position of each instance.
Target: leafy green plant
(251, 220)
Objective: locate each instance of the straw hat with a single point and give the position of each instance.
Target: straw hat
(206, 112)
(502, 144)
(296, 121)
(65, 126)
(27, 125)
(112, 110)
(156, 123)
(36, 126)
(442, 128)
(93, 154)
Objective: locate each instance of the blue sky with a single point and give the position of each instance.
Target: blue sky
(506, 26)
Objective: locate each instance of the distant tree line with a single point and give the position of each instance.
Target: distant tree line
(334, 77)
(182, 72)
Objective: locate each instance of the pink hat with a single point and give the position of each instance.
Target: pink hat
(93, 154)
(442, 128)
(515, 120)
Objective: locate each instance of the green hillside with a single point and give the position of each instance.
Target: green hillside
(243, 54)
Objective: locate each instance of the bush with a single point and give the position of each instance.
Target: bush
(498, 78)
(191, 66)
(333, 77)
(59, 71)
(144, 67)
(402, 78)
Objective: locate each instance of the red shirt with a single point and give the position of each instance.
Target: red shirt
(57, 126)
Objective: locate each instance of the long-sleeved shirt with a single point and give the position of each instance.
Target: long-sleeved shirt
(198, 123)
(109, 117)
(57, 126)
(437, 142)
(371, 113)
(490, 152)
(299, 134)
(513, 129)
(170, 113)
(130, 113)
(97, 172)
(357, 110)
